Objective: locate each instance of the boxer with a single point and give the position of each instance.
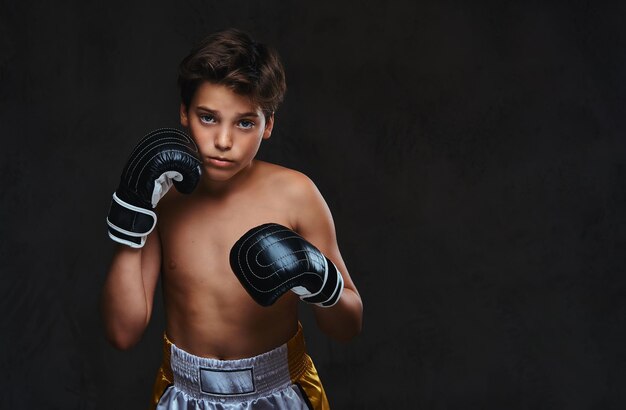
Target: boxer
(238, 244)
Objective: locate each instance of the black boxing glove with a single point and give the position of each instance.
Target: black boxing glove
(163, 157)
(271, 259)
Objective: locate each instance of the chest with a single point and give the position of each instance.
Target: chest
(197, 234)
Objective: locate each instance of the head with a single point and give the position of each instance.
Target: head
(230, 88)
(232, 59)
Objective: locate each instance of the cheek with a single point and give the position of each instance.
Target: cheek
(256, 141)
(251, 146)
(200, 137)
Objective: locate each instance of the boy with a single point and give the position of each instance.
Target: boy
(232, 239)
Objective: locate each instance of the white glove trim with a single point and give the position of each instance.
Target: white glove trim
(339, 284)
(304, 292)
(136, 209)
(129, 243)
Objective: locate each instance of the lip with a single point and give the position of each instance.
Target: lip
(220, 162)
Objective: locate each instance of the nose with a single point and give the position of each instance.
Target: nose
(223, 140)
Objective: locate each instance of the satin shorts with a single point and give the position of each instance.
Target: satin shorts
(283, 378)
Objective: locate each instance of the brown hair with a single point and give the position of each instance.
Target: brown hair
(231, 58)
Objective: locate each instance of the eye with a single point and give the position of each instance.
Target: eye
(246, 124)
(207, 118)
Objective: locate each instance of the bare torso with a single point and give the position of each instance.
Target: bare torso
(208, 311)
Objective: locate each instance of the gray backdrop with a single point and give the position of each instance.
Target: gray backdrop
(472, 153)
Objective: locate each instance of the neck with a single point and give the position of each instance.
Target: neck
(222, 189)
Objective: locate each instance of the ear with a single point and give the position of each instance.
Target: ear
(269, 125)
(184, 120)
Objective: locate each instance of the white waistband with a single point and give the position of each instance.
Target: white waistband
(204, 378)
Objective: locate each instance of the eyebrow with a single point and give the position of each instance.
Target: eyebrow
(245, 114)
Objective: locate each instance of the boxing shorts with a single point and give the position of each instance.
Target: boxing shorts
(283, 378)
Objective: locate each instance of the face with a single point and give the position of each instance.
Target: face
(227, 128)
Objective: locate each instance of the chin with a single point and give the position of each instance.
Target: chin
(211, 175)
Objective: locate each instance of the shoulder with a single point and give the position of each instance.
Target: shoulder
(286, 180)
(297, 193)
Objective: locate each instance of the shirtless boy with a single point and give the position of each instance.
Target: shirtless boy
(232, 339)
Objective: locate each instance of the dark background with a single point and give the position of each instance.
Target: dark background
(472, 153)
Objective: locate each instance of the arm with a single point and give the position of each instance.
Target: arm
(312, 219)
(163, 158)
(128, 292)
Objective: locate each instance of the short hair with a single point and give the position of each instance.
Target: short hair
(231, 58)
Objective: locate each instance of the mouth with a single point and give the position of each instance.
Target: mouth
(220, 161)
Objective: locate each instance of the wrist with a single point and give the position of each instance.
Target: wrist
(129, 224)
(331, 289)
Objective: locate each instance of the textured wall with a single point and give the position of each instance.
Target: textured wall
(473, 155)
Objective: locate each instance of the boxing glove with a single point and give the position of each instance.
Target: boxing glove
(271, 259)
(163, 157)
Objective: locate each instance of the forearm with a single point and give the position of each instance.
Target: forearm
(125, 307)
(342, 321)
